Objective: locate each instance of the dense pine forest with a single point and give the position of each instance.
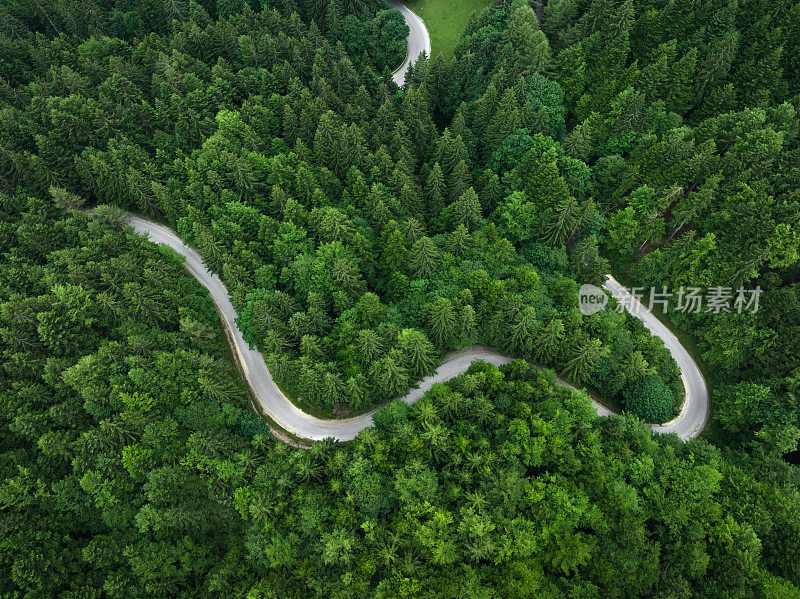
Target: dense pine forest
(364, 231)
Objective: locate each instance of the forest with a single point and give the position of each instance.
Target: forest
(364, 231)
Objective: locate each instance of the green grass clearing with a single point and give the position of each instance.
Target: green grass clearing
(446, 21)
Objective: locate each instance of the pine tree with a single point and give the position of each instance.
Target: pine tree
(441, 321)
(450, 150)
(460, 179)
(418, 352)
(466, 210)
(436, 82)
(370, 346)
(586, 261)
(561, 220)
(434, 192)
(345, 275)
(410, 200)
(526, 47)
(424, 258)
(417, 117)
(584, 360)
(484, 109)
(326, 140)
(459, 241)
(310, 346)
(523, 330)
(506, 120)
(655, 79)
(412, 230)
(333, 17)
(490, 194)
(680, 92)
(578, 143)
(389, 375)
(289, 125)
(548, 341)
(541, 179)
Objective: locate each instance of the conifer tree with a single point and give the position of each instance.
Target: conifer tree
(434, 192)
(424, 257)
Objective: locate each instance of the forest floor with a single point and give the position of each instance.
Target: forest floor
(446, 21)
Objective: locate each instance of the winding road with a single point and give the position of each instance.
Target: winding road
(418, 41)
(283, 412)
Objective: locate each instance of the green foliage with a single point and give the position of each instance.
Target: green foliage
(362, 232)
(500, 464)
(686, 128)
(649, 398)
(126, 432)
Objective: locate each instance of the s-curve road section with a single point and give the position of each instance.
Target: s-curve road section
(278, 407)
(418, 41)
(694, 413)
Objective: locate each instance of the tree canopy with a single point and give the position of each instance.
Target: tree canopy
(364, 231)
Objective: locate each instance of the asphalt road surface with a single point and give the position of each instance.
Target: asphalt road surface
(694, 412)
(275, 404)
(418, 41)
